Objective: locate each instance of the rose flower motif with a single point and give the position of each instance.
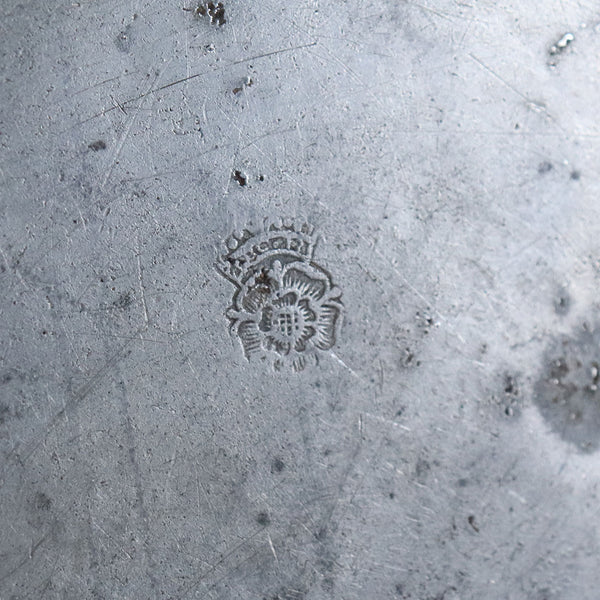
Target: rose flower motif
(290, 310)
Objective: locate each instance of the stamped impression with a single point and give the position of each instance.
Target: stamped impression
(285, 307)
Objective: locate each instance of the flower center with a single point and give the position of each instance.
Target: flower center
(288, 323)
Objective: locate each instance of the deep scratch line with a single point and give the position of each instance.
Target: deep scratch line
(531, 103)
(194, 76)
(192, 586)
(77, 399)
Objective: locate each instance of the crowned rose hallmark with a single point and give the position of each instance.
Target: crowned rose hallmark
(285, 307)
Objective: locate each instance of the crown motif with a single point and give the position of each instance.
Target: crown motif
(247, 251)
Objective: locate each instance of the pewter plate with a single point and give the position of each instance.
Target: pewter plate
(394, 395)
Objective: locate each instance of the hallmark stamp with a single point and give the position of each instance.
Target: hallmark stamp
(285, 307)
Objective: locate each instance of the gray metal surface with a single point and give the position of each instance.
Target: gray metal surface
(446, 447)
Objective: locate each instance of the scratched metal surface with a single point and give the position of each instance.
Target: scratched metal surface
(446, 447)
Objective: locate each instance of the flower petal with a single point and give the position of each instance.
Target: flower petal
(304, 284)
(326, 326)
(266, 320)
(299, 363)
(282, 348)
(305, 311)
(307, 333)
(288, 299)
(256, 298)
(250, 337)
